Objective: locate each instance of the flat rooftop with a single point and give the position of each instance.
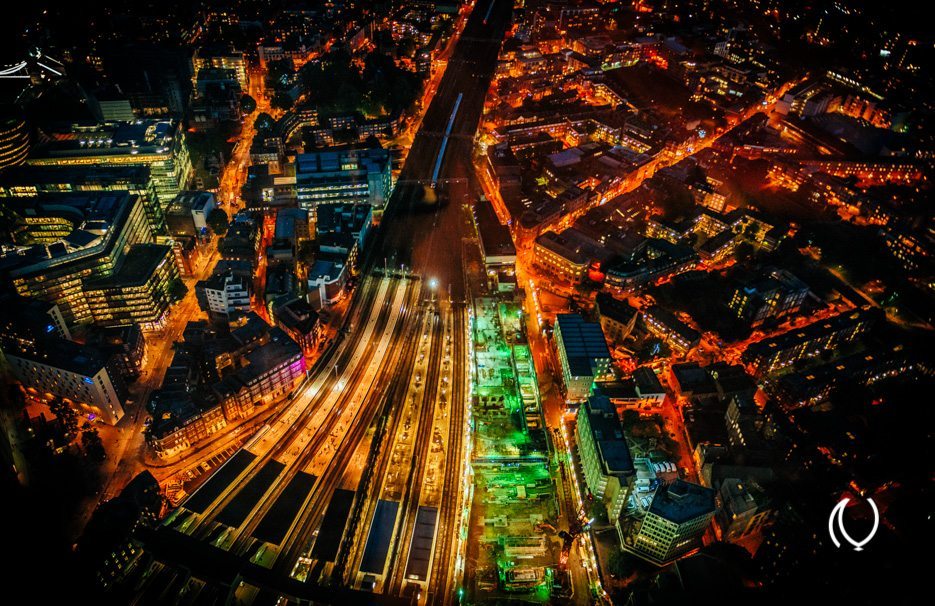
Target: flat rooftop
(682, 501)
(583, 342)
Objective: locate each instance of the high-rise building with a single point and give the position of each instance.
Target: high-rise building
(605, 456)
(158, 144)
(101, 229)
(30, 181)
(140, 292)
(357, 176)
(583, 354)
(675, 523)
(14, 142)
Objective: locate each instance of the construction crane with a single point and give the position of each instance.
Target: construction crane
(580, 524)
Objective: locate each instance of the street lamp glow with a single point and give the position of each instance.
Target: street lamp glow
(433, 283)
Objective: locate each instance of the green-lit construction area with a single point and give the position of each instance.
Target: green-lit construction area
(511, 552)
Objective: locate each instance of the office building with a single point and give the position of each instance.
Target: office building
(354, 176)
(155, 78)
(583, 354)
(82, 375)
(641, 391)
(30, 181)
(268, 372)
(108, 547)
(126, 343)
(668, 327)
(617, 317)
(676, 521)
(291, 231)
(341, 231)
(178, 422)
(744, 510)
(14, 142)
(111, 106)
(158, 144)
(560, 257)
(605, 457)
(34, 322)
(298, 320)
(242, 240)
(656, 258)
(326, 280)
(260, 365)
(140, 292)
(100, 228)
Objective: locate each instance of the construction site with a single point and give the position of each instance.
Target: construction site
(516, 545)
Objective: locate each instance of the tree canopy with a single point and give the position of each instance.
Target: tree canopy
(337, 84)
(217, 221)
(247, 104)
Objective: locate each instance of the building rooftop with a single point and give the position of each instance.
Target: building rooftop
(646, 381)
(97, 218)
(562, 246)
(220, 279)
(286, 221)
(615, 309)
(607, 432)
(682, 501)
(691, 377)
(369, 159)
(812, 331)
(297, 315)
(672, 323)
(143, 137)
(583, 342)
(342, 218)
(29, 177)
(188, 201)
(261, 360)
(137, 267)
(494, 236)
(84, 360)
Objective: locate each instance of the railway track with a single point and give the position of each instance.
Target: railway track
(417, 472)
(293, 427)
(299, 536)
(442, 563)
(313, 447)
(381, 455)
